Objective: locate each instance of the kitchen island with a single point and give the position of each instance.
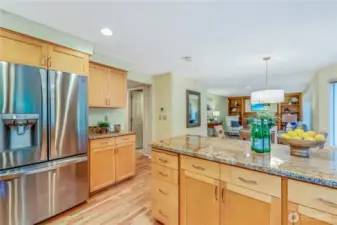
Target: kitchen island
(207, 181)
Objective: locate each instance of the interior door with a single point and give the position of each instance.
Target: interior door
(125, 160)
(68, 114)
(137, 115)
(199, 199)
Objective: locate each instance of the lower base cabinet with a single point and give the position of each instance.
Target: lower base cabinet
(199, 199)
(102, 167)
(110, 162)
(244, 206)
(302, 215)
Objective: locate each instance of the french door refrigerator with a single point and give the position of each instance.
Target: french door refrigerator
(43, 143)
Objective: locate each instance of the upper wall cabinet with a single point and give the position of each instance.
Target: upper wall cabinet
(107, 87)
(22, 49)
(67, 60)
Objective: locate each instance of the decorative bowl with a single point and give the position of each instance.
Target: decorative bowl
(301, 148)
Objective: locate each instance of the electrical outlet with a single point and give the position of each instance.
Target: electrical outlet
(106, 118)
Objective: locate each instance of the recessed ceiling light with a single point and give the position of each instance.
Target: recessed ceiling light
(106, 31)
(187, 58)
(248, 87)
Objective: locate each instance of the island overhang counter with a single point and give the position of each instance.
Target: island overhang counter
(209, 181)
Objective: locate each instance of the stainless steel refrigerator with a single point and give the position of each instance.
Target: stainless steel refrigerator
(43, 143)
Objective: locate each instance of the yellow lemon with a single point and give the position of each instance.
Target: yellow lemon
(299, 131)
(303, 135)
(296, 138)
(319, 137)
(309, 138)
(311, 133)
(291, 133)
(284, 136)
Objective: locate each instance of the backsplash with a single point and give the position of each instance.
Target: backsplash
(115, 116)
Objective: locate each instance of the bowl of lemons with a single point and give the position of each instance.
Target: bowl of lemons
(301, 141)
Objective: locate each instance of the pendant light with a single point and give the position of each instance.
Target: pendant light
(267, 95)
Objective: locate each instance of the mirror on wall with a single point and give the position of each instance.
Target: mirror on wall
(193, 109)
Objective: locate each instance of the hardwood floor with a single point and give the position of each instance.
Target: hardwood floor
(128, 203)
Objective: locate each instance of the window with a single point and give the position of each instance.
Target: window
(333, 127)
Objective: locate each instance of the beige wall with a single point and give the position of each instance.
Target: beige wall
(318, 93)
(179, 87)
(162, 98)
(219, 103)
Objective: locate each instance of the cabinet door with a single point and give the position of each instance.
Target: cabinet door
(302, 215)
(97, 86)
(117, 88)
(244, 206)
(102, 167)
(21, 49)
(125, 160)
(67, 60)
(199, 199)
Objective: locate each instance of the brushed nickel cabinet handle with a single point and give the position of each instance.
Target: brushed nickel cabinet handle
(161, 213)
(163, 192)
(116, 150)
(163, 160)
(247, 181)
(104, 143)
(216, 193)
(223, 195)
(49, 61)
(163, 174)
(327, 202)
(198, 167)
(44, 61)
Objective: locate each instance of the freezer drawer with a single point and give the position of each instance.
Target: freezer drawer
(35, 194)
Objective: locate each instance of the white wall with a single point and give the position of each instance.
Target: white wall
(28, 27)
(179, 87)
(115, 116)
(218, 103)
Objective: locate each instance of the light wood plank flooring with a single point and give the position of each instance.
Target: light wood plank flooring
(128, 203)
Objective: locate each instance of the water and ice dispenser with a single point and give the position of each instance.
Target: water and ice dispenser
(19, 130)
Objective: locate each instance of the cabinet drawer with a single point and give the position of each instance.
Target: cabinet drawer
(200, 166)
(102, 142)
(253, 180)
(314, 196)
(164, 173)
(165, 202)
(165, 159)
(125, 139)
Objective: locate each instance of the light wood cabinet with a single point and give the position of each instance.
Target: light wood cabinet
(165, 207)
(116, 88)
(22, 49)
(199, 199)
(67, 60)
(102, 167)
(107, 87)
(302, 215)
(110, 162)
(243, 206)
(125, 160)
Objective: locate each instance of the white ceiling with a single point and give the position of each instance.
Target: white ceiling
(227, 39)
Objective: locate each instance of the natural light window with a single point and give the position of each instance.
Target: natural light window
(333, 126)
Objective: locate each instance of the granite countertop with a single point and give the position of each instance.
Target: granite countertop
(93, 136)
(320, 169)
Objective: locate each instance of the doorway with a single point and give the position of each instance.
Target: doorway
(137, 115)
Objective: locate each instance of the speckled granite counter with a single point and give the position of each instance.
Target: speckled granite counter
(93, 136)
(320, 169)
